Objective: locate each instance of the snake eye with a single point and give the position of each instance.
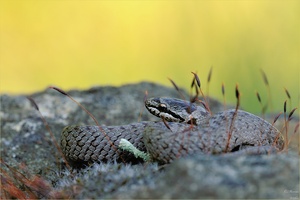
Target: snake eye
(162, 107)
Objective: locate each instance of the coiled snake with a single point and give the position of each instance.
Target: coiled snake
(189, 129)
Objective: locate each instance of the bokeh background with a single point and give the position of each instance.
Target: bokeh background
(79, 44)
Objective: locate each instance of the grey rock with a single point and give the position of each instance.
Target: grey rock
(225, 177)
(25, 139)
(104, 180)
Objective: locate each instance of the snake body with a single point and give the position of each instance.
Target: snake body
(189, 129)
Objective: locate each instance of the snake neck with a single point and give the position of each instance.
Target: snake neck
(199, 117)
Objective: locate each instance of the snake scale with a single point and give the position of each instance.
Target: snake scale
(188, 129)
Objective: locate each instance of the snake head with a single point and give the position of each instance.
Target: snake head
(175, 110)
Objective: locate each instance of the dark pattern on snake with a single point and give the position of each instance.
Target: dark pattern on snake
(192, 130)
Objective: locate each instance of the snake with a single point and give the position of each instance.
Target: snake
(186, 128)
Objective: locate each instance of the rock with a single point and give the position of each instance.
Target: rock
(104, 180)
(25, 139)
(224, 177)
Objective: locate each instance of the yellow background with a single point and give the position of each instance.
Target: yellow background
(79, 44)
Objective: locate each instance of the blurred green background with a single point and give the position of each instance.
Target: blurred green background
(79, 44)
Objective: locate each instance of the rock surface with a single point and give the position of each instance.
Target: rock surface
(25, 139)
(224, 177)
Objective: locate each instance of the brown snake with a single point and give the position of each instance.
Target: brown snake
(190, 129)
